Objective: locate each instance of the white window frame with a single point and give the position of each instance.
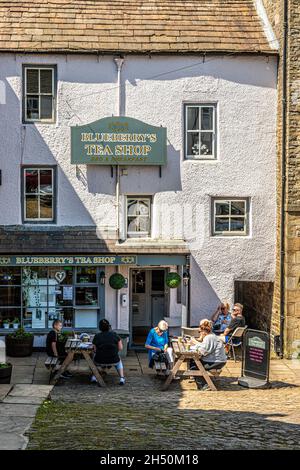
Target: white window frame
(38, 219)
(187, 106)
(246, 217)
(52, 94)
(138, 234)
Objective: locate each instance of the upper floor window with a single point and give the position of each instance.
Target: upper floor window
(138, 217)
(39, 93)
(38, 194)
(200, 131)
(230, 217)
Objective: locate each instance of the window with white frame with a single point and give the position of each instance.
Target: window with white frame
(39, 93)
(200, 131)
(38, 194)
(138, 217)
(230, 217)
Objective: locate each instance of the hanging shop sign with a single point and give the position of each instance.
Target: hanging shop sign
(118, 141)
(55, 260)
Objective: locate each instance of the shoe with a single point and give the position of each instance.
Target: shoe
(122, 381)
(64, 376)
(93, 379)
(67, 373)
(205, 388)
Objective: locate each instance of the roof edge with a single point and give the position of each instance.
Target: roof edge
(266, 24)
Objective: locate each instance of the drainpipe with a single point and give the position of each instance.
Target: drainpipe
(283, 173)
(119, 63)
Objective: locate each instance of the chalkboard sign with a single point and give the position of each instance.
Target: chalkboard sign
(256, 356)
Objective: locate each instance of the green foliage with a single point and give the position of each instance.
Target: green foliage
(117, 281)
(4, 365)
(173, 280)
(20, 333)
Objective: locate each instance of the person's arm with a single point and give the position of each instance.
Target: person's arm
(215, 316)
(120, 345)
(54, 348)
(207, 346)
(149, 341)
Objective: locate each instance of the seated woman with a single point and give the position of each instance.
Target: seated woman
(157, 341)
(221, 318)
(211, 350)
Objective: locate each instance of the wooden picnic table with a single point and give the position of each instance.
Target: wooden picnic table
(182, 354)
(73, 348)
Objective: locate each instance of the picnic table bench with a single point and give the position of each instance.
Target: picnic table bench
(182, 355)
(74, 348)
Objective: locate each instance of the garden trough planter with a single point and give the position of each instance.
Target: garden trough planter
(19, 347)
(5, 374)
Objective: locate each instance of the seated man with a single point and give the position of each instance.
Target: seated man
(238, 320)
(51, 345)
(107, 345)
(221, 318)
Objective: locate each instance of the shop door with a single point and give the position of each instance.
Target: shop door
(148, 302)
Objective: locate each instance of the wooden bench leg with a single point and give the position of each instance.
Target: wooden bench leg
(205, 375)
(173, 373)
(93, 368)
(63, 367)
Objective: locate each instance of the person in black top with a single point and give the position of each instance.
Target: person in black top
(107, 345)
(51, 344)
(237, 320)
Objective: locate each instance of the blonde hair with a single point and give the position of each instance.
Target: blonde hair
(205, 326)
(163, 325)
(226, 304)
(240, 306)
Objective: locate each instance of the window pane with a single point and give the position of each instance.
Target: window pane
(10, 314)
(32, 103)
(46, 181)
(158, 280)
(35, 276)
(32, 207)
(193, 119)
(46, 207)
(86, 275)
(10, 276)
(64, 295)
(192, 143)
(31, 181)
(61, 275)
(238, 207)
(143, 207)
(237, 224)
(10, 296)
(221, 224)
(222, 208)
(35, 296)
(207, 119)
(66, 315)
(32, 81)
(132, 207)
(45, 81)
(133, 224)
(144, 224)
(86, 295)
(34, 317)
(139, 281)
(206, 143)
(46, 107)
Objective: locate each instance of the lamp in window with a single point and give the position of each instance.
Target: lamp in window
(102, 278)
(186, 277)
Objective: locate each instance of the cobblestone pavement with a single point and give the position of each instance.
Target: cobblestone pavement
(141, 416)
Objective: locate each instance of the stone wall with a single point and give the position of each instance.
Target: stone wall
(274, 9)
(257, 298)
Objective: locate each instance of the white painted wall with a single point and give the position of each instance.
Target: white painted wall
(155, 90)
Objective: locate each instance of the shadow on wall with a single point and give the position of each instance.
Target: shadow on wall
(204, 297)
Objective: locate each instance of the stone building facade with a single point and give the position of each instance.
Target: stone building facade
(290, 261)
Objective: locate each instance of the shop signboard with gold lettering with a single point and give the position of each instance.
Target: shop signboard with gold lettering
(73, 260)
(118, 141)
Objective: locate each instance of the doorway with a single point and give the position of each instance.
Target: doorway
(148, 302)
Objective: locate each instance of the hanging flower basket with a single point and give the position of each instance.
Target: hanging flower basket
(117, 281)
(173, 280)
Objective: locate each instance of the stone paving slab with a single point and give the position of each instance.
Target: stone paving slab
(12, 441)
(4, 390)
(24, 400)
(31, 391)
(28, 411)
(15, 424)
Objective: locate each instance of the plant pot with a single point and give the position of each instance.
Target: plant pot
(16, 326)
(5, 374)
(19, 347)
(6, 325)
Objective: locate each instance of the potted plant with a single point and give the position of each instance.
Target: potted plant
(5, 372)
(19, 343)
(16, 323)
(6, 323)
(173, 280)
(61, 341)
(117, 281)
